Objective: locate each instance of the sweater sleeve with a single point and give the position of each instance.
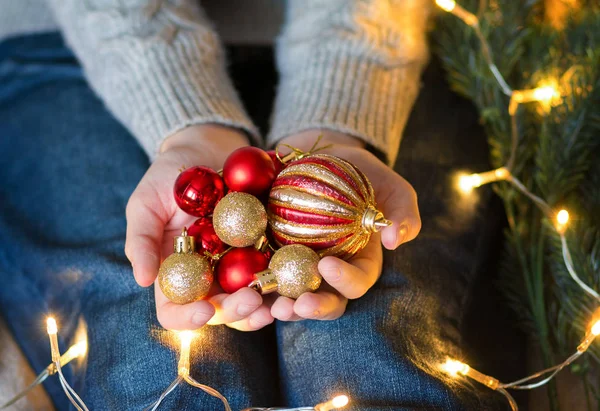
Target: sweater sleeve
(352, 66)
(158, 65)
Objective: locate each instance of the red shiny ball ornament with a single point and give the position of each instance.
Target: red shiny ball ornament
(249, 170)
(236, 269)
(197, 190)
(279, 166)
(206, 238)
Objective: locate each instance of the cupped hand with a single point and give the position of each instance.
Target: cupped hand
(351, 279)
(153, 219)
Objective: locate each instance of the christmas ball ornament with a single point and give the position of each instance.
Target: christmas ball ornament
(250, 170)
(293, 271)
(205, 236)
(240, 219)
(185, 276)
(197, 190)
(237, 267)
(279, 166)
(325, 203)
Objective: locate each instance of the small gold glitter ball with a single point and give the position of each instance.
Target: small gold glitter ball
(185, 277)
(239, 219)
(296, 270)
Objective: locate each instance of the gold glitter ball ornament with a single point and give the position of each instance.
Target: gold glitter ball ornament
(293, 271)
(185, 276)
(239, 219)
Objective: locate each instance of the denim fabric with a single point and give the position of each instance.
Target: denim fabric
(67, 169)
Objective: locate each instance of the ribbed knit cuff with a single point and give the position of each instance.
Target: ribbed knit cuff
(360, 97)
(161, 90)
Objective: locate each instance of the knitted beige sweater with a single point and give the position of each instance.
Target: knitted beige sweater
(345, 65)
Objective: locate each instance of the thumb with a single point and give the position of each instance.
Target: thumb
(146, 222)
(400, 206)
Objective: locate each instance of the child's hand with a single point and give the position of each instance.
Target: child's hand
(153, 219)
(349, 280)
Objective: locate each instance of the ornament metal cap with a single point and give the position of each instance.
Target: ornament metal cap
(265, 282)
(184, 243)
(373, 220)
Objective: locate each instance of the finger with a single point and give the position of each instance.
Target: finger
(354, 278)
(181, 317)
(255, 321)
(322, 305)
(234, 307)
(400, 206)
(283, 309)
(146, 221)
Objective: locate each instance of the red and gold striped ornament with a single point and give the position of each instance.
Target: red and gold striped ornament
(325, 203)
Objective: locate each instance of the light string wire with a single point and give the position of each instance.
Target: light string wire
(52, 330)
(183, 375)
(77, 350)
(466, 183)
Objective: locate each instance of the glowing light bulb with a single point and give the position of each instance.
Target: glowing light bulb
(454, 367)
(52, 329)
(562, 217)
(467, 183)
(543, 94)
(186, 338)
(595, 330)
(447, 5)
(340, 401)
(546, 93)
(51, 326)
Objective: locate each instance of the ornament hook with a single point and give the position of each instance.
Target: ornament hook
(298, 154)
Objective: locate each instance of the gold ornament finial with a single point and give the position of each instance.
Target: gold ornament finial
(184, 243)
(373, 220)
(293, 271)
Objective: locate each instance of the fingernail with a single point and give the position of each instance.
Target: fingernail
(402, 234)
(199, 318)
(245, 309)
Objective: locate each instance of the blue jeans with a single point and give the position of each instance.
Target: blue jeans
(67, 169)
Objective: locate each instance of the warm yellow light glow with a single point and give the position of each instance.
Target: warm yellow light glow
(52, 329)
(454, 367)
(79, 349)
(51, 326)
(447, 5)
(340, 401)
(595, 330)
(590, 336)
(186, 338)
(467, 183)
(562, 217)
(544, 93)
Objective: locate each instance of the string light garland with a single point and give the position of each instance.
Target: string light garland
(454, 368)
(183, 375)
(544, 95)
(76, 351)
(79, 350)
(52, 329)
(336, 403)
